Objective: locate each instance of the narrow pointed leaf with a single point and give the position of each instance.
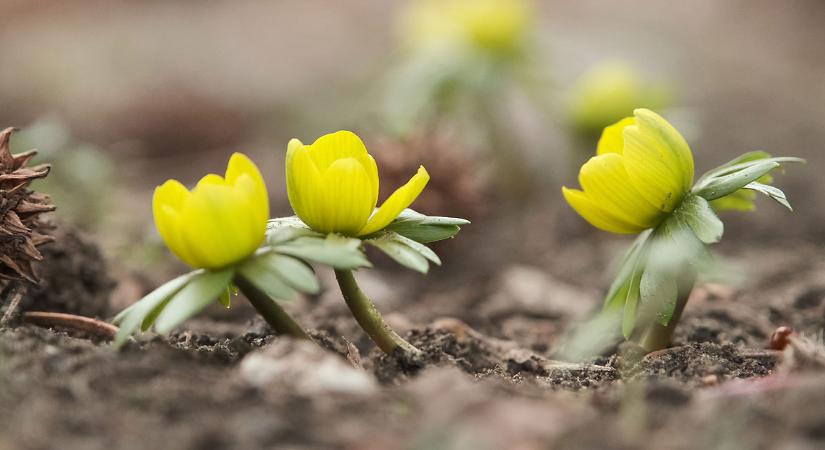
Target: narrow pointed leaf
(131, 318)
(422, 249)
(617, 293)
(258, 272)
(286, 229)
(334, 250)
(697, 214)
(425, 229)
(770, 191)
(631, 303)
(721, 186)
(743, 162)
(401, 253)
(658, 292)
(193, 298)
(292, 271)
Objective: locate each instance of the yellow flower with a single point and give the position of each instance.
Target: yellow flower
(333, 186)
(609, 91)
(643, 170)
(498, 26)
(220, 222)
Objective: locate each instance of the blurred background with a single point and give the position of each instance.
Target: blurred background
(501, 103)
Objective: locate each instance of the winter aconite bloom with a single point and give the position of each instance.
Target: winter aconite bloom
(220, 222)
(643, 170)
(495, 26)
(333, 186)
(610, 91)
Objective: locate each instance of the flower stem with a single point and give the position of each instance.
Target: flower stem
(274, 315)
(656, 336)
(369, 318)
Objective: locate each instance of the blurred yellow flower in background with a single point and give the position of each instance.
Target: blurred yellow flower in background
(610, 91)
(220, 222)
(643, 170)
(333, 186)
(494, 26)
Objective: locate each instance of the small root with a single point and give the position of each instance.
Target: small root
(94, 327)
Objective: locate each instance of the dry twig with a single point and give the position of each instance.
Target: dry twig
(89, 325)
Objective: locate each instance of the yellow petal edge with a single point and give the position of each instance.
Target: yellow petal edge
(642, 171)
(218, 223)
(333, 186)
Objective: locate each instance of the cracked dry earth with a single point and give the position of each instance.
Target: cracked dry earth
(487, 379)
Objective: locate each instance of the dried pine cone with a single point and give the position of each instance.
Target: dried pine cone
(21, 231)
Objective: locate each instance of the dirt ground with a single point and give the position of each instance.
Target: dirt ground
(488, 379)
(491, 321)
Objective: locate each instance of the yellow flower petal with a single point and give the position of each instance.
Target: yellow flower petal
(397, 202)
(244, 174)
(608, 185)
(672, 139)
(596, 216)
(303, 182)
(346, 199)
(658, 160)
(216, 224)
(612, 139)
(334, 146)
(167, 205)
(220, 222)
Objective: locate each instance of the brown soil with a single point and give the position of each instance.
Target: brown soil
(233, 385)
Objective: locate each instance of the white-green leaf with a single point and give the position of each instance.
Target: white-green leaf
(401, 253)
(334, 250)
(425, 229)
(744, 162)
(422, 249)
(633, 296)
(260, 273)
(659, 292)
(617, 293)
(697, 214)
(285, 229)
(770, 191)
(132, 317)
(292, 271)
(193, 298)
(723, 185)
(226, 296)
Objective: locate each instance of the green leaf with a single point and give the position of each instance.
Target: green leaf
(425, 229)
(770, 191)
(334, 250)
(132, 317)
(723, 185)
(743, 162)
(286, 229)
(659, 291)
(697, 214)
(294, 272)
(741, 200)
(632, 297)
(193, 298)
(425, 234)
(422, 249)
(226, 297)
(260, 273)
(617, 293)
(400, 252)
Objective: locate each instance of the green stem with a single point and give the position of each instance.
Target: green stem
(656, 336)
(369, 318)
(274, 315)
